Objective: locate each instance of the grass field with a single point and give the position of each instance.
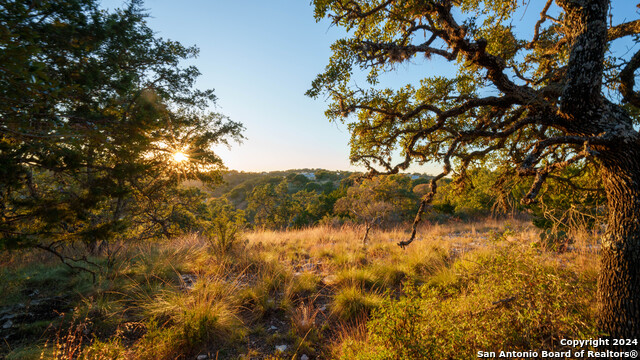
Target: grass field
(312, 293)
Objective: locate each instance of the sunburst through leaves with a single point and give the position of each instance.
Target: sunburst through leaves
(180, 156)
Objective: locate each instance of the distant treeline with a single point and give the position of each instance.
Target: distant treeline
(308, 197)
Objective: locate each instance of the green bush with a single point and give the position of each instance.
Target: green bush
(504, 300)
(225, 225)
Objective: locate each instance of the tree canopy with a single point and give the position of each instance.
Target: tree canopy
(527, 103)
(99, 124)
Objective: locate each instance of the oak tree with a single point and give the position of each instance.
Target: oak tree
(526, 103)
(366, 203)
(271, 206)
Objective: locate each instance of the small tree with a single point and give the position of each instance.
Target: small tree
(271, 206)
(364, 205)
(225, 225)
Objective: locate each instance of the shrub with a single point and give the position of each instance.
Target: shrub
(553, 240)
(226, 225)
(511, 300)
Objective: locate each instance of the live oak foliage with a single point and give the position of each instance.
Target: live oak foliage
(526, 107)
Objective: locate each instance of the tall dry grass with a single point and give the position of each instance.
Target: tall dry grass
(319, 285)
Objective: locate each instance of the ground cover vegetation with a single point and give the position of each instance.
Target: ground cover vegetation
(317, 292)
(123, 236)
(239, 286)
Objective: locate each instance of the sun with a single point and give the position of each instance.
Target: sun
(180, 156)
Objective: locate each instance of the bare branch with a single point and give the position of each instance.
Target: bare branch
(512, 123)
(66, 260)
(520, 76)
(627, 80)
(543, 173)
(573, 185)
(543, 18)
(426, 200)
(354, 11)
(526, 168)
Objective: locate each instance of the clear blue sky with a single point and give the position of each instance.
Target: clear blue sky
(260, 57)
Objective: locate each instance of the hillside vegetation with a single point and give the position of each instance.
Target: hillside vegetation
(305, 264)
(306, 293)
(306, 197)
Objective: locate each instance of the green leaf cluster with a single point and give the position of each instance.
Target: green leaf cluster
(94, 108)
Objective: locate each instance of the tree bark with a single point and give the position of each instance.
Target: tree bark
(589, 114)
(619, 280)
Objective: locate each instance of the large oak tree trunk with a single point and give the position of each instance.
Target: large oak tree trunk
(591, 115)
(619, 281)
